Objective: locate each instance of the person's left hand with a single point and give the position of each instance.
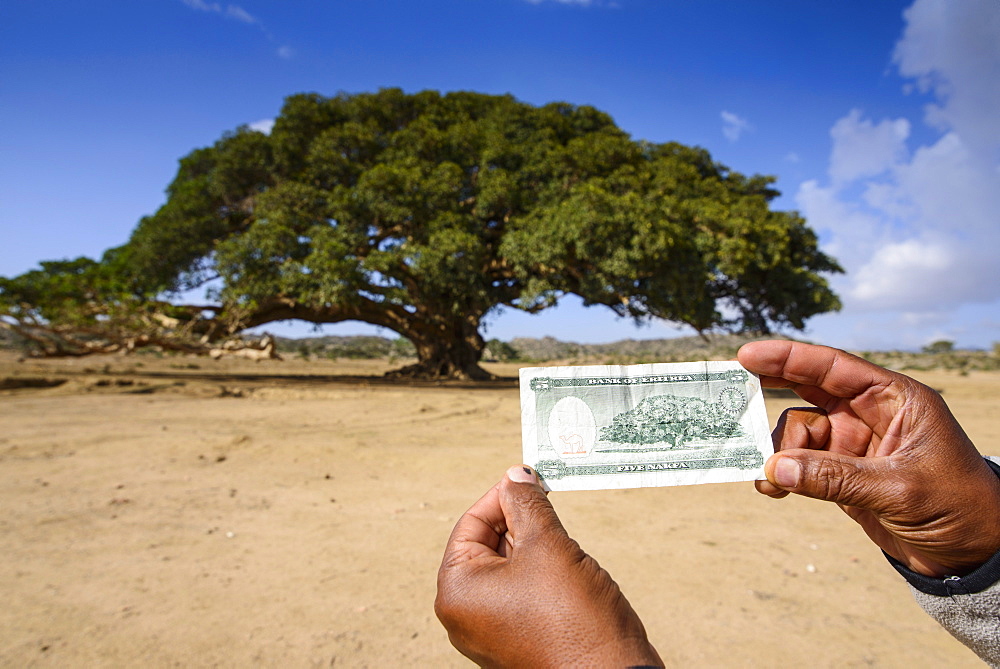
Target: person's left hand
(515, 590)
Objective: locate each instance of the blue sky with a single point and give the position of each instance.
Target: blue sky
(878, 118)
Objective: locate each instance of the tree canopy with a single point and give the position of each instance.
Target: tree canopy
(422, 213)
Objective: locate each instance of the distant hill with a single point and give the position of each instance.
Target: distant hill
(362, 346)
(626, 351)
(530, 350)
(527, 349)
(709, 347)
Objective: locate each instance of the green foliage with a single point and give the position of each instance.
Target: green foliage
(402, 348)
(355, 348)
(501, 351)
(76, 294)
(940, 346)
(55, 290)
(422, 213)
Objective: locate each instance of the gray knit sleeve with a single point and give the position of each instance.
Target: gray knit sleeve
(967, 606)
(973, 618)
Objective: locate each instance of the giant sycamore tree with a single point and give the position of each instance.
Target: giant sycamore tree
(423, 214)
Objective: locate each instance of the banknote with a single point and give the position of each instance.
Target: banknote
(630, 426)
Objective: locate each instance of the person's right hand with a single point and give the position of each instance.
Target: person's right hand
(515, 591)
(887, 450)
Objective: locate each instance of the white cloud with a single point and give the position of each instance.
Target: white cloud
(901, 274)
(237, 13)
(733, 125)
(917, 229)
(847, 225)
(240, 14)
(203, 6)
(264, 125)
(234, 12)
(863, 149)
(953, 50)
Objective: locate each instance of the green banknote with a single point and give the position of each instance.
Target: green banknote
(629, 426)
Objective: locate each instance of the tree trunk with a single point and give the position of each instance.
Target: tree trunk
(446, 351)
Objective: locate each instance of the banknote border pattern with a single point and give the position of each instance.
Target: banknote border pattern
(542, 383)
(743, 457)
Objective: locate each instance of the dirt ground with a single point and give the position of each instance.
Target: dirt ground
(189, 512)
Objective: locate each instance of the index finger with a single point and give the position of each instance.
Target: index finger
(836, 372)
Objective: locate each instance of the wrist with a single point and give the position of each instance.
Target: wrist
(976, 560)
(988, 545)
(985, 576)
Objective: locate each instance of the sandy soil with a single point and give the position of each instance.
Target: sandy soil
(184, 512)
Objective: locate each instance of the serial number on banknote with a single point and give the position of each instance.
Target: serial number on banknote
(628, 426)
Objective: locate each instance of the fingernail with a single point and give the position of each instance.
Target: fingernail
(522, 474)
(787, 472)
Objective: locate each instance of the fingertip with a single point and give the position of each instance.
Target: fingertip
(771, 469)
(765, 359)
(767, 488)
(754, 349)
(526, 508)
(522, 474)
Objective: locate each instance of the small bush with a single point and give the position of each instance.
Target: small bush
(500, 351)
(402, 348)
(940, 346)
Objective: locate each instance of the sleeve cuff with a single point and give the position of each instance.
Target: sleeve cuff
(980, 579)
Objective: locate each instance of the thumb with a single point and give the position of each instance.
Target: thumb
(526, 508)
(866, 483)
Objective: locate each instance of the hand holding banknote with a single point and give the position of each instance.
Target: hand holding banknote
(887, 450)
(515, 590)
